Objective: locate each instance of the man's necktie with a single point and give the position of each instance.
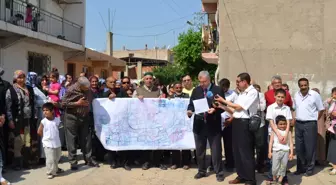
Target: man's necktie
(205, 96)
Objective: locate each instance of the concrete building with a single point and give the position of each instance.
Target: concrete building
(36, 35)
(291, 38)
(141, 61)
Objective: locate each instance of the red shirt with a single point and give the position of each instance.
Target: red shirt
(270, 99)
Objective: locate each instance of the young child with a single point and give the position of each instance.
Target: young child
(49, 132)
(274, 110)
(54, 90)
(278, 152)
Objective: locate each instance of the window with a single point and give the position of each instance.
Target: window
(103, 73)
(9, 4)
(71, 69)
(87, 70)
(39, 63)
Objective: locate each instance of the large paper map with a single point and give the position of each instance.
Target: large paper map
(131, 124)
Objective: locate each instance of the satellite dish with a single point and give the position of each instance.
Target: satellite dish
(168, 47)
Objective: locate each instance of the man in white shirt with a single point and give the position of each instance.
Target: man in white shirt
(309, 108)
(245, 106)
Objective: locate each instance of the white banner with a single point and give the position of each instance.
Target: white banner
(151, 124)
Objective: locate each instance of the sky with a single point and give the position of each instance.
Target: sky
(138, 18)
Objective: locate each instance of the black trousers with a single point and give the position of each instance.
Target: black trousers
(260, 146)
(77, 127)
(243, 149)
(228, 148)
(305, 143)
(181, 158)
(216, 152)
(122, 157)
(154, 157)
(98, 150)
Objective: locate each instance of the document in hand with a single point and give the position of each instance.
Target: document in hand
(201, 105)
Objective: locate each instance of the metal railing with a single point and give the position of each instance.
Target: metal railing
(17, 12)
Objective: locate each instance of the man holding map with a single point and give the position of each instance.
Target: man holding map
(207, 126)
(149, 90)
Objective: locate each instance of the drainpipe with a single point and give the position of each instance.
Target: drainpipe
(217, 74)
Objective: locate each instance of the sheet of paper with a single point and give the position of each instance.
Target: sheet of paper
(224, 116)
(201, 105)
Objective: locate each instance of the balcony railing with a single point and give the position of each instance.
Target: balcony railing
(26, 15)
(210, 39)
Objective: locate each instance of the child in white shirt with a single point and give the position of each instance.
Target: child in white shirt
(49, 130)
(278, 152)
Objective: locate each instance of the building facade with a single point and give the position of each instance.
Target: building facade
(143, 60)
(293, 39)
(35, 35)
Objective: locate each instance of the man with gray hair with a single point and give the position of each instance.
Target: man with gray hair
(207, 126)
(75, 103)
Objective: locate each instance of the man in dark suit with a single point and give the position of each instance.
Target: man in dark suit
(207, 126)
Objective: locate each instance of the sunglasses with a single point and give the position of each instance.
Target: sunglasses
(126, 82)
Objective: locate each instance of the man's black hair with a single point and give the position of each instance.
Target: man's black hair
(281, 91)
(245, 77)
(303, 80)
(333, 90)
(224, 83)
(49, 106)
(126, 77)
(280, 118)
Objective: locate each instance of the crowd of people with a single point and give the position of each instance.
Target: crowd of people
(41, 115)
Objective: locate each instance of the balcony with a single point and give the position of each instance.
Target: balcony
(210, 44)
(38, 20)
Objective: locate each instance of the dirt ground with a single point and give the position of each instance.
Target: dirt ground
(154, 176)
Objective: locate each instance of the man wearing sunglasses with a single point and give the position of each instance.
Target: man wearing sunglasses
(125, 83)
(187, 85)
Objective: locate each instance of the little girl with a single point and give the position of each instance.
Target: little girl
(331, 102)
(280, 153)
(53, 91)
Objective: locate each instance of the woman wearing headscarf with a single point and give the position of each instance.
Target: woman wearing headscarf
(40, 98)
(21, 114)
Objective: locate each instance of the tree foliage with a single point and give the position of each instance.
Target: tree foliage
(187, 59)
(187, 55)
(168, 74)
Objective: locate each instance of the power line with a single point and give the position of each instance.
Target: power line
(151, 35)
(235, 36)
(103, 21)
(175, 3)
(171, 7)
(156, 25)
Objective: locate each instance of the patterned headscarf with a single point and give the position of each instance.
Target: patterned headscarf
(31, 79)
(61, 78)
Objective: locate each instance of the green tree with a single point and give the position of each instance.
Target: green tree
(187, 55)
(168, 74)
